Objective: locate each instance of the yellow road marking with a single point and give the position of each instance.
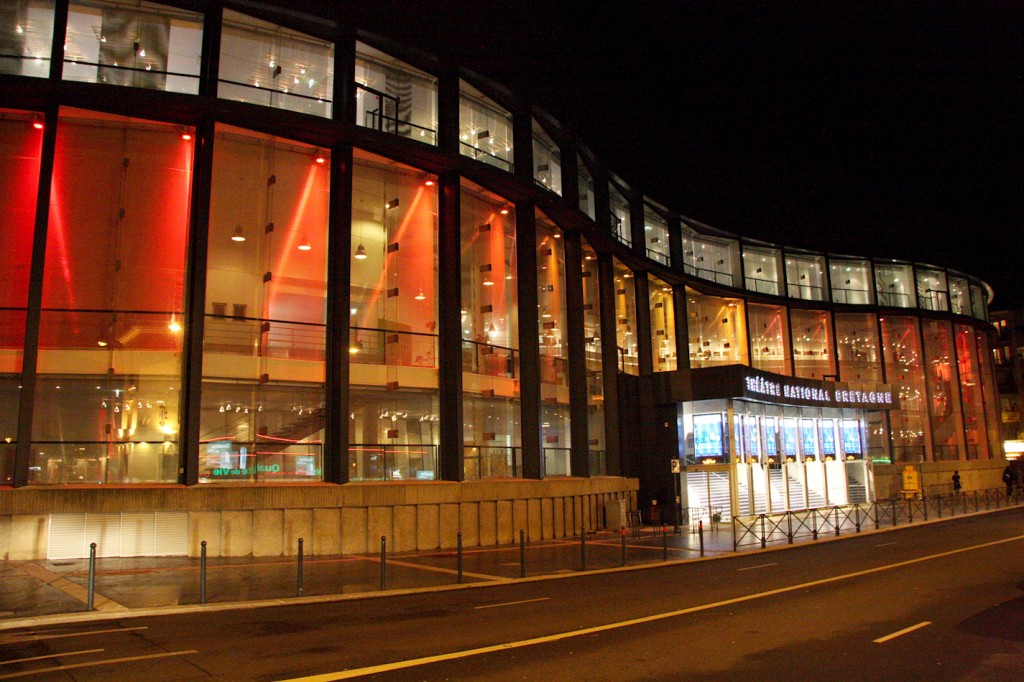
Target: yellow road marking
(426, 660)
(904, 631)
(511, 603)
(109, 661)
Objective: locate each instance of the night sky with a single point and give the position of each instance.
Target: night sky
(887, 129)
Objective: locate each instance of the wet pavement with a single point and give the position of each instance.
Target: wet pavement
(34, 592)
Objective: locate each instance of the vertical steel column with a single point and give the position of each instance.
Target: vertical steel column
(449, 259)
(574, 319)
(645, 354)
(610, 363)
(529, 334)
(344, 108)
(60, 23)
(33, 314)
(339, 270)
(209, 64)
(195, 304)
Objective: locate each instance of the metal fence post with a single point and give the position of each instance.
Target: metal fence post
(522, 553)
(975, 500)
(202, 572)
(298, 585)
(92, 577)
(383, 561)
(459, 549)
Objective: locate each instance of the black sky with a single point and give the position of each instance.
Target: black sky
(888, 129)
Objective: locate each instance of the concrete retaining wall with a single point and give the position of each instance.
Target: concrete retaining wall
(936, 477)
(331, 519)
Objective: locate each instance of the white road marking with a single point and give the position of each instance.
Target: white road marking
(62, 654)
(109, 661)
(904, 631)
(33, 637)
(426, 660)
(511, 603)
(751, 568)
(887, 544)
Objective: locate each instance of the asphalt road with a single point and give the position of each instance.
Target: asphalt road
(941, 601)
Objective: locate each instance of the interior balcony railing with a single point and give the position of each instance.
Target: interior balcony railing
(893, 299)
(851, 295)
(484, 358)
(369, 346)
(264, 460)
(557, 462)
(102, 462)
(806, 292)
(485, 156)
(255, 337)
(762, 286)
(381, 111)
(710, 274)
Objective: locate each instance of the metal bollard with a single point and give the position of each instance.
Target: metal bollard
(975, 500)
(298, 586)
(894, 513)
(814, 524)
(789, 526)
(623, 534)
(92, 577)
(856, 516)
(202, 572)
(583, 549)
(700, 532)
(459, 549)
(383, 562)
(925, 501)
(664, 543)
(764, 539)
(837, 520)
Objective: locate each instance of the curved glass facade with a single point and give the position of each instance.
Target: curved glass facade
(269, 282)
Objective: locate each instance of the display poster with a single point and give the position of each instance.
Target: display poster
(753, 437)
(770, 447)
(707, 435)
(810, 436)
(828, 437)
(789, 436)
(851, 437)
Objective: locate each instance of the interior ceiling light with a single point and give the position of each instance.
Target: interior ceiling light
(101, 343)
(504, 211)
(320, 157)
(420, 296)
(487, 282)
(37, 124)
(185, 134)
(429, 182)
(360, 252)
(304, 245)
(238, 236)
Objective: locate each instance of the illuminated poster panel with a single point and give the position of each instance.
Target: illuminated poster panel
(770, 447)
(810, 436)
(851, 437)
(707, 435)
(789, 436)
(753, 437)
(828, 437)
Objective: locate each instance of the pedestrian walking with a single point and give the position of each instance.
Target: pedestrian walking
(1008, 480)
(956, 483)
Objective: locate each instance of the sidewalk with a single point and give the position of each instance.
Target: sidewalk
(35, 592)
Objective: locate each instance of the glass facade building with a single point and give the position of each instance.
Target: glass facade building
(318, 261)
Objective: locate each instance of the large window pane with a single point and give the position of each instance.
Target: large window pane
(959, 296)
(595, 373)
(857, 339)
(586, 181)
(620, 216)
(111, 327)
(554, 348)
(656, 234)
(717, 329)
(625, 318)
(805, 276)
(905, 371)
(932, 290)
(263, 365)
(394, 97)
(769, 338)
(943, 391)
(710, 258)
(136, 44)
(547, 160)
(979, 302)
(813, 351)
(490, 335)
(761, 266)
(971, 392)
(663, 325)
(393, 336)
(851, 281)
(269, 65)
(894, 283)
(26, 34)
(485, 129)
